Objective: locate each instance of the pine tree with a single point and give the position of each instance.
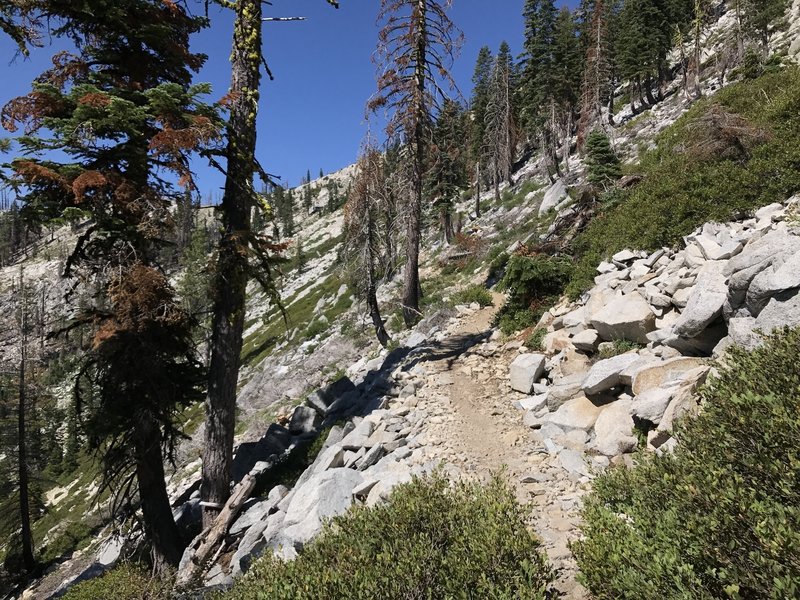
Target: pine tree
(602, 162)
(447, 174)
(566, 78)
(481, 80)
(233, 270)
(122, 108)
(596, 84)
(417, 42)
(537, 71)
(500, 127)
(759, 17)
(300, 258)
(21, 22)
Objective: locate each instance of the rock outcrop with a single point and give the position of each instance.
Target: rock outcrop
(731, 284)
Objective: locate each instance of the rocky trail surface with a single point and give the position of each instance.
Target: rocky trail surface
(477, 429)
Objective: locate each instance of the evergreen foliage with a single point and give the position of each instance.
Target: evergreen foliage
(532, 282)
(602, 162)
(447, 174)
(699, 173)
(124, 112)
(721, 517)
(427, 541)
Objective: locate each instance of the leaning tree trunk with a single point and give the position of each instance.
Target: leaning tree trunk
(159, 524)
(411, 284)
(372, 296)
(231, 275)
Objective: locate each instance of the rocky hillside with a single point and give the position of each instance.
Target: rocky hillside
(329, 419)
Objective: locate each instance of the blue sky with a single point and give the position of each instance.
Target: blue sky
(312, 115)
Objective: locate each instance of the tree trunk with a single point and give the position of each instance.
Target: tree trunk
(375, 312)
(698, 55)
(159, 525)
(648, 90)
(478, 190)
(231, 275)
(28, 560)
(411, 283)
(611, 106)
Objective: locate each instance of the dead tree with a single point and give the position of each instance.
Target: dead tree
(417, 44)
(500, 126)
(363, 239)
(596, 75)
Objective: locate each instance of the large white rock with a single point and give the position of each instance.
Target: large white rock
(605, 374)
(304, 419)
(782, 275)
(525, 371)
(625, 318)
(578, 413)
(651, 404)
(555, 195)
(781, 311)
(564, 389)
(613, 429)
(684, 399)
(759, 255)
(705, 302)
(323, 496)
(587, 340)
(665, 373)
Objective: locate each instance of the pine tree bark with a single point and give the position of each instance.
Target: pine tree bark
(411, 283)
(478, 190)
(28, 560)
(231, 275)
(160, 527)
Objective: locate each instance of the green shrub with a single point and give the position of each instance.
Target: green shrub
(533, 284)
(427, 541)
(684, 187)
(73, 536)
(721, 517)
(535, 340)
(125, 582)
(474, 293)
(316, 327)
(617, 347)
(602, 163)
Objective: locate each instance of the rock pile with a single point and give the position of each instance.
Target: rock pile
(665, 315)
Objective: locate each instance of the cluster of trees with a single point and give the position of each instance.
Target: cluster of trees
(563, 84)
(123, 111)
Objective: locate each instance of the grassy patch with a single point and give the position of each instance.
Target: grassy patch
(535, 340)
(474, 293)
(616, 348)
(685, 186)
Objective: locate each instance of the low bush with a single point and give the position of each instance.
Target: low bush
(316, 327)
(428, 541)
(533, 283)
(721, 517)
(535, 340)
(474, 293)
(616, 348)
(125, 582)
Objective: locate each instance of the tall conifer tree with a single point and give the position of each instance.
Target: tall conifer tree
(123, 110)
